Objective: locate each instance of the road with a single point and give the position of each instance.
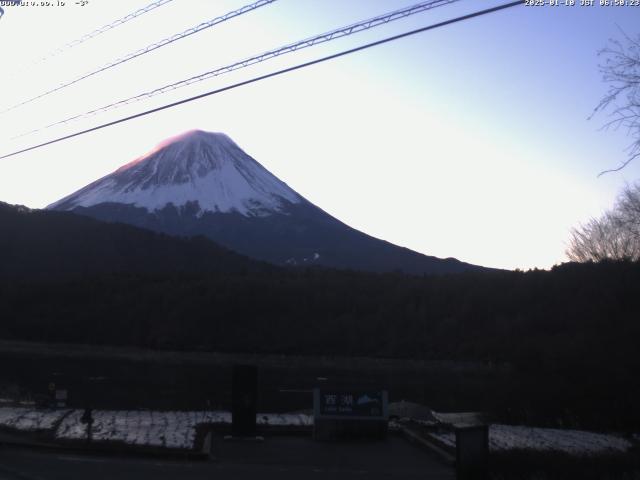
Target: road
(283, 458)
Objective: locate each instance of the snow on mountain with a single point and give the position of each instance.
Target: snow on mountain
(197, 166)
(202, 183)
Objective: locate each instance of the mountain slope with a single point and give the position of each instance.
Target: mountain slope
(36, 243)
(208, 168)
(202, 183)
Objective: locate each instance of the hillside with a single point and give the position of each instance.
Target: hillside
(43, 244)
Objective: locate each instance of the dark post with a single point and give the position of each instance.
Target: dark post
(472, 453)
(245, 401)
(87, 419)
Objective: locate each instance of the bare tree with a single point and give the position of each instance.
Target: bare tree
(615, 235)
(621, 70)
(628, 208)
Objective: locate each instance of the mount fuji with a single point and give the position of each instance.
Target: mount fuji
(202, 183)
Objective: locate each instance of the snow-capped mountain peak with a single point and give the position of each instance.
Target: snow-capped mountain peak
(240, 205)
(196, 166)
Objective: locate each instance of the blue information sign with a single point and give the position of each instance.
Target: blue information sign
(350, 403)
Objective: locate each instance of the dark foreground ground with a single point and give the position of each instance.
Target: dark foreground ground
(277, 457)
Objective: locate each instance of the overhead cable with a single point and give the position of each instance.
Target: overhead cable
(106, 28)
(292, 47)
(269, 75)
(150, 48)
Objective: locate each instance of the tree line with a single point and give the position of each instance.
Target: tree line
(571, 333)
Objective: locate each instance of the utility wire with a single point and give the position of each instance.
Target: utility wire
(292, 47)
(97, 31)
(106, 28)
(272, 74)
(147, 49)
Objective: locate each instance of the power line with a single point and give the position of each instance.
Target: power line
(147, 49)
(272, 74)
(106, 28)
(292, 47)
(100, 31)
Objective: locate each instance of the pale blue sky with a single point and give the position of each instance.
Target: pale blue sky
(470, 141)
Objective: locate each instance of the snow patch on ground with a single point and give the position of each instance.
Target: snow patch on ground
(159, 429)
(30, 419)
(414, 411)
(285, 419)
(171, 429)
(177, 430)
(134, 427)
(459, 418)
(574, 442)
(143, 428)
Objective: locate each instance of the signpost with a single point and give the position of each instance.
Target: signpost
(87, 419)
(61, 398)
(350, 413)
(58, 396)
(245, 400)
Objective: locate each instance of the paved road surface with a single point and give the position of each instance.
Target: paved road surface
(282, 458)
